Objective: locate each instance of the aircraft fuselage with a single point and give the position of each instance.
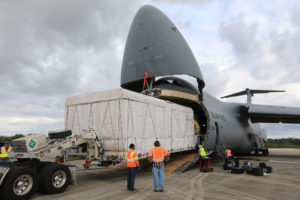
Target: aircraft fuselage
(228, 127)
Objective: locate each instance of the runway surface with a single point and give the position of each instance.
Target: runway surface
(283, 183)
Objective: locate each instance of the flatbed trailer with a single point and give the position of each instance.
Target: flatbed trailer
(100, 126)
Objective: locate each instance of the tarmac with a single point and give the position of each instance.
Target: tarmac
(282, 183)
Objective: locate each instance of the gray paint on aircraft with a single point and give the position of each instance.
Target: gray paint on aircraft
(155, 45)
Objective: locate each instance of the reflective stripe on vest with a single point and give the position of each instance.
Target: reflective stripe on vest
(228, 151)
(131, 159)
(4, 153)
(202, 152)
(162, 155)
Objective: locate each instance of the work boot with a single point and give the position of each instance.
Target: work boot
(161, 190)
(155, 190)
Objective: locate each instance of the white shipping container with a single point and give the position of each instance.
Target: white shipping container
(121, 117)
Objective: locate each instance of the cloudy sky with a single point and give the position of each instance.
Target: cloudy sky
(52, 49)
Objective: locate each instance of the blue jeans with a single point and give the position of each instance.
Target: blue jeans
(158, 173)
(130, 177)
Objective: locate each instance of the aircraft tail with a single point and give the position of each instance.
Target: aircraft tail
(250, 93)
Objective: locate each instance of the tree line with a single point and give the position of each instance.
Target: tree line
(283, 143)
(10, 138)
(295, 141)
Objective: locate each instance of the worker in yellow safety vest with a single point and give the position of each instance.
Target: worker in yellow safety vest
(202, 152)
(5, 150)
(132, 163)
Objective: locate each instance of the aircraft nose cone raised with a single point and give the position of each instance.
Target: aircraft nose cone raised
(156, 46)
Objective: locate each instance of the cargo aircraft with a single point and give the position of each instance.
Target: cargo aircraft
(156, 53)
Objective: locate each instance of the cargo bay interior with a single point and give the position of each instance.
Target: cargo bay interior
(180, 91)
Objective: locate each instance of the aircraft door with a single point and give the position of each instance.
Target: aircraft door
(217, 141)
(217, 133)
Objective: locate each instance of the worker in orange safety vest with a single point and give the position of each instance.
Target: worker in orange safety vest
(230, 161)
(4, 151)
(158, 155)
(228, 153)
(132, 163)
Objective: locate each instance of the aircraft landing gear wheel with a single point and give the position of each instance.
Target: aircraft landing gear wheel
(256, 152)
(265, 152)
(54, 178)
(20, 183)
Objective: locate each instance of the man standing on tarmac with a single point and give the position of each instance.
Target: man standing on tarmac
(132, 164)
(157, 155)
(228, 153)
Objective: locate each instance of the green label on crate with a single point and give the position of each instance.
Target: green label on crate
(32, 144)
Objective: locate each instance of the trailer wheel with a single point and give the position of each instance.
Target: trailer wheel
(20, 183)
(54, 178)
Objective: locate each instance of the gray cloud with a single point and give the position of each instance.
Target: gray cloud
(266, 52)
(215, 80)
(241, 36)
(183, 2)
(281, 130)
(53, 49)
(50, 42)
(253, 44)
(247, 48)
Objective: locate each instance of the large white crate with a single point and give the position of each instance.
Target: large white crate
(121, 117)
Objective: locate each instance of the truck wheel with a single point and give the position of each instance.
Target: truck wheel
(256, 152)
(20, 183)
(265, 152)
(54, 178)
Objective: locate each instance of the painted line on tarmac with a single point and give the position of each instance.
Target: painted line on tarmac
(287, 162)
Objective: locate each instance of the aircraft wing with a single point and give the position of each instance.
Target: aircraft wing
(273, 114)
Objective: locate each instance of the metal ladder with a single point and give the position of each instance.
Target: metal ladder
(187, 165)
